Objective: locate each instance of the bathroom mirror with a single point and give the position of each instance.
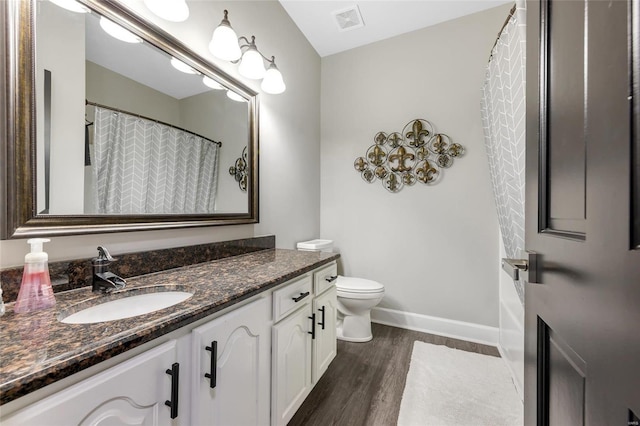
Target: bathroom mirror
(104, 135)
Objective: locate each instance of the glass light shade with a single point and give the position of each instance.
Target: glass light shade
(209, 82)
(234, 96)
(116, 31)
(224, 43)
(170, 10)
(181, 66)
(71, 5)
(252, 65)
(273, 82)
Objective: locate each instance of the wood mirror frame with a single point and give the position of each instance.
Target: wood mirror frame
(19, 217)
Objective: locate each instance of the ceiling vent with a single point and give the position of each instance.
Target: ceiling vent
(348, 19)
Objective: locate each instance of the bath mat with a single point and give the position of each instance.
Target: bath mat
(452, 387)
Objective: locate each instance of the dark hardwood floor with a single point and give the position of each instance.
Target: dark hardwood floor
(364, 383)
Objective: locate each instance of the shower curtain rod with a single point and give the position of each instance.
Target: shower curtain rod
(86, 102)
(506, 21)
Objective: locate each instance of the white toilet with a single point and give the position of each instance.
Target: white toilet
(356, 298)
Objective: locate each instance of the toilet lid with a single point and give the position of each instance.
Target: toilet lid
(358, 285)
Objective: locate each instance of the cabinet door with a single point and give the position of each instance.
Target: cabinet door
(325, 344)
(234, 351)
(131, 393)
(291, 364)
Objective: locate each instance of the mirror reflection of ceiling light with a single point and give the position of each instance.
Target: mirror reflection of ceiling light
(209, 82)
(234, 96)
(181, 66)
(170, 10)
(116, 31)
(71, 5)
(226, 45)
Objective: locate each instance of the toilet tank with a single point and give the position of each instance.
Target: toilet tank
(316, 245)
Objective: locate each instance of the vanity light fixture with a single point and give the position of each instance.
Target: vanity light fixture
(71, 5)
(181, 66)
(170, 10)
(226, 45)
(251, 64)
(116, 31)
(273, 82)
(224, 42)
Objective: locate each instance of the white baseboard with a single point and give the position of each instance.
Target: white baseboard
(434, 325)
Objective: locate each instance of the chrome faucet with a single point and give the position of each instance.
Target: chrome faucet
(103, 280)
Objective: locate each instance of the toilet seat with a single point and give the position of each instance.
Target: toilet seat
(358, 288)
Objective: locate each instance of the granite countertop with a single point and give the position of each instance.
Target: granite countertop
(37, 349)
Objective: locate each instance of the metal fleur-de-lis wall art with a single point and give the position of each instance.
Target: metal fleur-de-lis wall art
(239, 170)
(416, 155)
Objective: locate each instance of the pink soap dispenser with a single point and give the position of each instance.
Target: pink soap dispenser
(35, 291)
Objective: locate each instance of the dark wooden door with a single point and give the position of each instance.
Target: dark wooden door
(582, 315)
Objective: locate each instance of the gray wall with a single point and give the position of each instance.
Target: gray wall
(109, 88)
(433, 247)
(289, 138)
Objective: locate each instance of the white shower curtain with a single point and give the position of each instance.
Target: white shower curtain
(141, 166)
(503, 117)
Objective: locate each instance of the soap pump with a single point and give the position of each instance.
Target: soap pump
(35, 291)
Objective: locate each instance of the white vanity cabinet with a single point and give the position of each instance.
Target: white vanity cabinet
(325, 309)
(133, 392)
(232, 368)
(250, 364)
(325, 344)
(291, 375)
(303, 344)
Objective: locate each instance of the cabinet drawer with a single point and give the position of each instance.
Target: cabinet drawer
(324, 278)
(292, 296)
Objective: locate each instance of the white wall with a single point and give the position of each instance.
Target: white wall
(433, 247)
(289, 138)
(61, 50)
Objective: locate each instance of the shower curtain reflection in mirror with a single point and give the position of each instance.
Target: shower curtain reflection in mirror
(141, 166)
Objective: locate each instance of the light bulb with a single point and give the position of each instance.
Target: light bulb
(209, 82)
(181, 66)
(116, 31)
(273, 82)
(234, 96)
(71, 5)
(252, 65)
(224, 42)
(171, 10)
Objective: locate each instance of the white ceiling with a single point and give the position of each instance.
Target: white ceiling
(382, 19)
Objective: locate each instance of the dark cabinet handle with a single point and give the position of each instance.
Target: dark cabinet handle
(313, 326)
(302, 296)
(331, 278)
(174, 372)
(321, 323)
(214, 364)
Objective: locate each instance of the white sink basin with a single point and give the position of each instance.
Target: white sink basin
(127, 307)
